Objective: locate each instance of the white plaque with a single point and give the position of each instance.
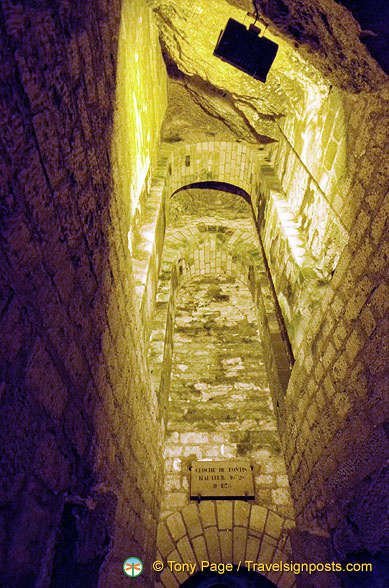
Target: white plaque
(221, 479)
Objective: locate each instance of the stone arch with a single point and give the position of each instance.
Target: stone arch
(223, 532)
(227, 253)
(232, 162)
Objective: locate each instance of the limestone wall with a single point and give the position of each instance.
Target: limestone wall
(312, 163)
(172, 169)
(302, 242)
(214, 345)
(73, 373)
(220, 240)
(303, 209)
(337, 386)
(333, 422)
(80, 433)
(220, 404)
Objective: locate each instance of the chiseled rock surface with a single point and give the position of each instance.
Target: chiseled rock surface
(324, 33)
(319, 46)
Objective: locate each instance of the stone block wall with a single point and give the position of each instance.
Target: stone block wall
(299, 270)
(220, 404)
(141, 101)
(147, 239)
(334, 420)
(74, 474)
(173, 168)
(73, 370)
(214, 392)
(298, 279)
(309, 240)
(308, 201)
(222, 242)
(313, 165)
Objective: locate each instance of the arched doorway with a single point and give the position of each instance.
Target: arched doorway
(231, 579)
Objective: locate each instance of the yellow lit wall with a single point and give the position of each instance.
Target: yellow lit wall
(311, 163)
(127, 422)
(141, 100)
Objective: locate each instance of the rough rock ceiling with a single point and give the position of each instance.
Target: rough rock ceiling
(325, 34)
(193, 117)
(319, 46)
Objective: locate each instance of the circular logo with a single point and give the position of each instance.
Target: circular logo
(132, 567)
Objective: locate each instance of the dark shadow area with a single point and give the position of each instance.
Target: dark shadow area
(377, 578)
(82, 545)
(222, 186)
(234, 579)
(373, 17)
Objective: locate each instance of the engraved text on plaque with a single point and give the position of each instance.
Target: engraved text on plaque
(221, 479)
